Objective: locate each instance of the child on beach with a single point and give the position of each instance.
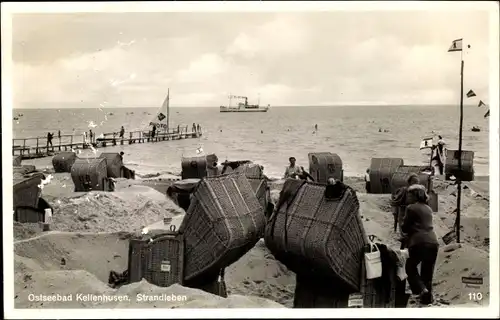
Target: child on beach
(367, 180)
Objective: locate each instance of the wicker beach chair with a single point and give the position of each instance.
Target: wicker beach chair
(194, 167)
(223, 222)
(325, 165)
(62, 162)
(90, 174)
(26, 199)
(314, 232)
(381, 170)
(451, 166)
(402, 173)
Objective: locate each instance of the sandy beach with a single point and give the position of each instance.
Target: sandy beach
(90, 231)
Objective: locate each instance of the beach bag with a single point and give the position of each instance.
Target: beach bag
(373, 262)
(316, 229)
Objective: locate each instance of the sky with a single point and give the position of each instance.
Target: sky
(294, 58)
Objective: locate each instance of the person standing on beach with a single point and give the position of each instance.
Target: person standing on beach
(194, 128)
(198, 128)
(316, 127)
(122, 132)
(367, 180)
(91, 136)
(59, 134)
(293, 170)
(399, 201)
(422, 243)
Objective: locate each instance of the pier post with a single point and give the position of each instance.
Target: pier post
(24, 146)
(114, 139)
(71, 142)
(36, 145)
(130, 140)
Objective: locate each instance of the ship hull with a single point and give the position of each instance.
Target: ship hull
(243, 110)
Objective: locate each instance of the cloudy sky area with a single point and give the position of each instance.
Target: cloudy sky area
(316, 58)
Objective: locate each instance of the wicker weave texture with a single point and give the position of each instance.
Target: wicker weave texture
(27, 191)
(451, 166)
(194, 167)
(23, 170)
(251, 170)
(62, 162)
(261, 190)
(223, 222)
(159, 260)
(321, 235)
(89, 174)
(400, 177)
(114, 164)
(325, 165)
(381, 170)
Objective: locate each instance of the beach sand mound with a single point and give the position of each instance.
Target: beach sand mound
(259, 273)
(128, 209)
(465, 261)
(97, 254)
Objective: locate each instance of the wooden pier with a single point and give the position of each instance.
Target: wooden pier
(39, 147)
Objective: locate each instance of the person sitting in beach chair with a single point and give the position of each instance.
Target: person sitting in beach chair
(292, 171)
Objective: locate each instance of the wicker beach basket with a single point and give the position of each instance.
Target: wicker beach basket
(27, 196)
(194, 167)
(158, 259)
(114, 164)
(381, 170)
(90, 174)
(451, 166)
(223, 222)
(63, 161)
(402, 173)
(311, 234)
(16, 161)
(325, 165)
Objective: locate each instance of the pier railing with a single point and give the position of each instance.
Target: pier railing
(39, 146)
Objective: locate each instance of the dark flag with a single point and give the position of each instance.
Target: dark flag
(487, 114)
(470, 94)
(481, 103)
(161, 116)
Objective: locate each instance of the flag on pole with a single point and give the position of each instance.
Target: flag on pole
(426, 143)
(481, 103)
(470, 94)
(456, 46)
(487, 114)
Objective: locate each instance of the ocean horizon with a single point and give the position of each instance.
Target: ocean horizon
(272, 137)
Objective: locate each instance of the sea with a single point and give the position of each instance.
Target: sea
(270, 138)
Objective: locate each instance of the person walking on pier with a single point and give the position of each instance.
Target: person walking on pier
(153, 132)
(122, 132)
(49, 141)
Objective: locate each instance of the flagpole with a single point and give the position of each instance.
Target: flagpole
(459, 180)
(168, 110)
